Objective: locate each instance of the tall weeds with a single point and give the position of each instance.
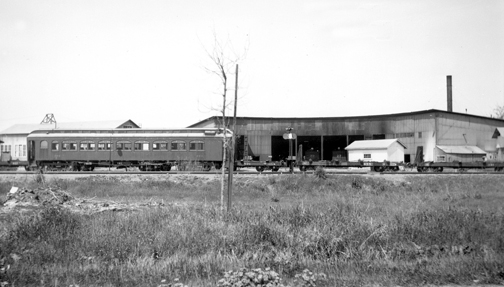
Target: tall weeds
(357, 230)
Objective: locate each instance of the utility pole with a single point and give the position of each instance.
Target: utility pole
(232, 148)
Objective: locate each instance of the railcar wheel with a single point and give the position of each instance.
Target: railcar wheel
(218, 166)
(276, 168)
(260, 168)
(439, 169)
(302, 168)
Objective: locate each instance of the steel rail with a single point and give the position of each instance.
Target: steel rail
(248, 172)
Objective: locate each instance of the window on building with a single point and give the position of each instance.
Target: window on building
(104, 145)
(69, 145)
(123, 145)
(196, 145)
(127, 127)
(160, 145)
(87, 146)
(404, 135)
(55, 146)
(24, 150)
(367, 155)
(142, 145)
(178, 145)
(419, 135)
(43, 145)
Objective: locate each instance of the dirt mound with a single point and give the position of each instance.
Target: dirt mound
(39, 196)
(20, 199)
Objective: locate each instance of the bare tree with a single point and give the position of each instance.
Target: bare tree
(499, 112)
(222, 67)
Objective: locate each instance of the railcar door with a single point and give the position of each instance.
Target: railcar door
(43, 150)
(31, 151)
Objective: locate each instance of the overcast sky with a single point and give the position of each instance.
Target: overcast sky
(145, 60)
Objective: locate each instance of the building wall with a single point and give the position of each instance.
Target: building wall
(15, 145)
(376, 155)
(424, 129)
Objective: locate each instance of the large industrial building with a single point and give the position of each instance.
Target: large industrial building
(435, 135)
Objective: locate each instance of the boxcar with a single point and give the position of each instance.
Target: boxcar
(147, 149)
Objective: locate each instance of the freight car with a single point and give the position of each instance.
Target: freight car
(146, 149)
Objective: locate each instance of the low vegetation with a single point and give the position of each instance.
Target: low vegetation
(283, 230)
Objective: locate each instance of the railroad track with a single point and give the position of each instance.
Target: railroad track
(246, 172)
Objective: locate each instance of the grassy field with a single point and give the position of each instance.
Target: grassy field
(349, 230)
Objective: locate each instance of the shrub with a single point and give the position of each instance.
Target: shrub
(251, 277)
(320, 173)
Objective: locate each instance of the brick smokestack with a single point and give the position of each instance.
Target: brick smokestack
(449, 91)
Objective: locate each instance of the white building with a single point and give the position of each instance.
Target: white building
(13, 146)
(376, 150)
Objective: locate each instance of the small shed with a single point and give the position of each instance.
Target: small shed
(376, 150)
(450, 153)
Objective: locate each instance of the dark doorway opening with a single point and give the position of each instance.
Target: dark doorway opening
(407, 158)
(240, 147)
(353, 138)
(280, 148)
(312, 144)
(334, 147)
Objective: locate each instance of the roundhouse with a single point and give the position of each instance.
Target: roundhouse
(421, 132)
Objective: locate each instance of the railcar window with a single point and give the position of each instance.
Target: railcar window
(142, 145)
(43, 144)
(159, 145)
(123, 145)
(67, 145)
(55, 146)
(196, 145)
(104, 145)
(367, 155)
(178, 145)
(87, 145)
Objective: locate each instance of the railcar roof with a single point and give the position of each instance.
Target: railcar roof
(112, 135)
(134, 133)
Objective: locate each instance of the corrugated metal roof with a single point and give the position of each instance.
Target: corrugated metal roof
(373, 144)
(461, 149)
(422, 112)
(28, 128)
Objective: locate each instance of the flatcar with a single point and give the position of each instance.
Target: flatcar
(147, 149)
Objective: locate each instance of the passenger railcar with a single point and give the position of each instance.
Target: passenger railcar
(146, 149)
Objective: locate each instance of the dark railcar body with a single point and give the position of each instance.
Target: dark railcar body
(147, 149)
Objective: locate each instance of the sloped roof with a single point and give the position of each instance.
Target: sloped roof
(364, 117)
(498, 132)
(373, 144)
(461, 149)
(28, 128)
